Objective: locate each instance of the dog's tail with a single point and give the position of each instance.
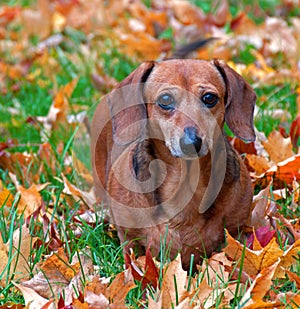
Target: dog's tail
(183, 51)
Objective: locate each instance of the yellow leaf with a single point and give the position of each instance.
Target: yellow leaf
(253, 261)
(57, 266)
(258, 163)
(260, 286)
(6, 198)
(278, 147)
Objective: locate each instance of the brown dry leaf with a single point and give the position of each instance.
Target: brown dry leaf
(57, 275)
(60, 108)
(37, 22)
(258, 163)
(284, 173)
(259, 208)
(216, 268)
(33, 300)
(4, 260)
(20, 247)
(57, 266)
(6, 200)
(293, 277)
(141, 44)
(54, 275)
(169, 290)
(288, 258)
(119, 288)
(278, 147)
(260, 286)
(296, 193)
(187, 13)
(30, 199)
(202, 293)
(96, 289)
(99, 294)
(87, 197)
(287, 171)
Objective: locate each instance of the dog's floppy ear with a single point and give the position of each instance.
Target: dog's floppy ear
(239, 102)
(128, 111)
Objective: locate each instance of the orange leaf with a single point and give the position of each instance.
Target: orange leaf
(260, 286)
(169, 290)
(57, 267)
(119, 288)
(253, 261)
(258, 163)
(6, 198)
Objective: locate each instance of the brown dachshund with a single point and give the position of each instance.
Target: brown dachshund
(162, 162)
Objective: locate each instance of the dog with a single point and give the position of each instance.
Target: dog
(161, 159)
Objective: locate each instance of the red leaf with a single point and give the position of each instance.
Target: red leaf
(295, 131)
(263, 235)
(148, 275)
(241, 147)
(151, 271)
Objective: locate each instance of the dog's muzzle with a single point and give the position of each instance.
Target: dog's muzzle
(190, 142)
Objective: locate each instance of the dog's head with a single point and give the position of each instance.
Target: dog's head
(184, 103)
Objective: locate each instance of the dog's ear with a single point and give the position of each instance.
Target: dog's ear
(127, 107)
(239, 102)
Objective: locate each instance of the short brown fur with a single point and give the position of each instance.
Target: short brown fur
(119, 154)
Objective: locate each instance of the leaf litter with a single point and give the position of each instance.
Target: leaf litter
(249, 272)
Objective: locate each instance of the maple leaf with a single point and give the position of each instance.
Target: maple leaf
(253, 298)
(254, 261)
(275, 142)
(33, 300)
(30, 198)
(100, 294)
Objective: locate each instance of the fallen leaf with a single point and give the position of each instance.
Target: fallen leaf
(259, 208)
(260, 238)
(16, 254)
(258, 163)
(295, 131)
(87, 197)
(119, 288)
(144, 271)
(37, 21)
(259, 287)
(33, 300)
(57, 115)
(30, 199)
(278, 147)
(173, 285)
(253, 261)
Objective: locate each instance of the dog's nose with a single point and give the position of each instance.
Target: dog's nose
(190, 142)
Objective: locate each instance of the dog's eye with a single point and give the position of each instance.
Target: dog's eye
(166, 101)
(210, 99)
